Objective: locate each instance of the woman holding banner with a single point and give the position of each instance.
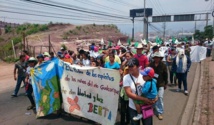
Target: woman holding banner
(130, 89)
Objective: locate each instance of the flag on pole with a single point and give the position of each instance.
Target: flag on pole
(173, 39)
(185, 39)
(129, 42)
(144, 42)
(158, 41)
(119, 43)
(102, 41)
(109, 43)
(136, 44)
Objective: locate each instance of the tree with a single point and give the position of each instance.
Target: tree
(199, 35)
(208, 32)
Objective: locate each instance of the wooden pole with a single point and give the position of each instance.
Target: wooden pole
(14, 52)
(24, 39)
(49, 46)
(34, 51)
(27, 44)
(41, 49)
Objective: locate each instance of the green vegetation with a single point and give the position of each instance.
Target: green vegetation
(64, 46)
(208, 33)
(8, 29)
(1, 39)
(16, 35)
(78, 27)
(11, 59)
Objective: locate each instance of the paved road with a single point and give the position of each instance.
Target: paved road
(13, 110)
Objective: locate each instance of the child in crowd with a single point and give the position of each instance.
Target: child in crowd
(31, 64)
(149, 89)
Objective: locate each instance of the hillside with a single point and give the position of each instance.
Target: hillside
(72, 36)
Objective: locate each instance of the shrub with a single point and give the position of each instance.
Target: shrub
(64, 46)
(43, 28)
(17, 40)
(78, 27)
(8, 29)
(11, 59)
(1, 39)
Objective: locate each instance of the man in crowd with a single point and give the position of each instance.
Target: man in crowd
(208, 44)
(161, 75)
(25, 53)
(154, 49)
(20, 75)
(143, 60)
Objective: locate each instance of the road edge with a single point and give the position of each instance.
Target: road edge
(188, 112)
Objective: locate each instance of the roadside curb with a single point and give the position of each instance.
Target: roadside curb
(197, 108)
(189, 114)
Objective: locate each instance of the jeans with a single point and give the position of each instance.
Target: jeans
(133, 113)
(182, 77)
(18, 84)
(159, 104)
(172, 77)
(208, 52)
(213, 54)
(124, 112)
(29, 94)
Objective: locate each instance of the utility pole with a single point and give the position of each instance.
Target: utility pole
(207, 18)
(164, 30)
(145, 27)
(133, 29)
(195, 26)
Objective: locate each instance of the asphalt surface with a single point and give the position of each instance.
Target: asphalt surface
(13, 110)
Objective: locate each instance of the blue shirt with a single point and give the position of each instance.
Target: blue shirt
(180, 66)
(150, 85)
(115, 65)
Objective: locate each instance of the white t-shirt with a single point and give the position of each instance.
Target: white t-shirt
(28, 72)
(128, 82)
(86, 62)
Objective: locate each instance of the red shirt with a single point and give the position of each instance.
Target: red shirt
(143, 60)
(27, 57)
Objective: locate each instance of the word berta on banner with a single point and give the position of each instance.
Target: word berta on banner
(99, 110)
(100, 76)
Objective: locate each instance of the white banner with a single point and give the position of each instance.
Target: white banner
(91, 93)
(198, 53)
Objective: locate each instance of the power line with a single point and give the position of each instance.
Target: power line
(121, 3)
(41, 15)
(75, 9)
(161, 6)
(50, 13)
(155, 8)
(25, 19)
(99, 5)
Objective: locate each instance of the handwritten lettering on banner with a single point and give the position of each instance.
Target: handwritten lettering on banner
(91, 93)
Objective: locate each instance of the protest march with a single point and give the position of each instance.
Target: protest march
(96, 83)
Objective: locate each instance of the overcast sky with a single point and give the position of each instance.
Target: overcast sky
(112, 7)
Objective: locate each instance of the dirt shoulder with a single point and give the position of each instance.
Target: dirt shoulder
(207, 102)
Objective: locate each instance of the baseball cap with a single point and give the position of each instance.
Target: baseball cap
(132, 62)
(148, 71)
(154, 48)
(40, 56)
